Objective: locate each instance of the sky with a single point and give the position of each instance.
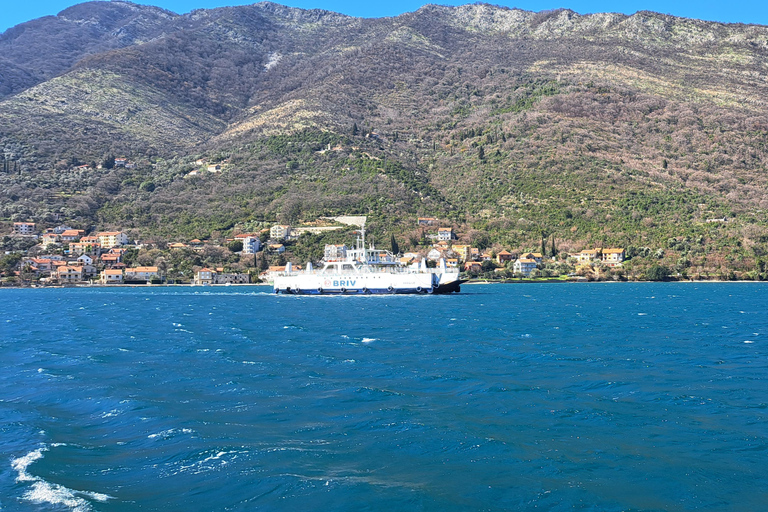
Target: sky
(13, 12)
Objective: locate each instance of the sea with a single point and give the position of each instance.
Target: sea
(522, 397)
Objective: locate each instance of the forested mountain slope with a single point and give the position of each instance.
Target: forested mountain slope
(513, 125)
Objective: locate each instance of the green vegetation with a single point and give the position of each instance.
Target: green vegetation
(627, 139)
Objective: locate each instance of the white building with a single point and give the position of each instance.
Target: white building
(445, 234)
(279, 232)
(141, 273)
(524, 266)
(109, 239)
(251, 245)
(24, 228)
(111, 276)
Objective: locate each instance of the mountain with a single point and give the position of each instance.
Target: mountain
(602, 129)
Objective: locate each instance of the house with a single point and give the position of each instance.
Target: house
(524, 266)
(89, 239)
(504, 257)
(110, 259)
(69, 274)
(109, 239)
(56, 265)
(277, 248)
(279, 232)
(24, 228)
(50, 238)
(445, 234)
(251, 244)
(41, 265)
(462, 251)
(222, 278)
(269, 274)
(61, 229)
(474, 254)
(84, 259)
(111, 276)
(141, 274)
(335, 252)
(71, 235)
(588, 255)
(78, 248)
(486, 256)
(613, 257)
(435, 254)
(472, 266)
(452, 262)
(177, 245)
(426, 221)
(204, 276)
(120, 162)
(533, 256)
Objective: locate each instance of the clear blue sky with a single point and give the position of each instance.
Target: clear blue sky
(14, 12)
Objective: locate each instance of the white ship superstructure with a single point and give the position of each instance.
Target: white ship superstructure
(366, 270)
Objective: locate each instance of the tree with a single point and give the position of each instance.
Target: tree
(263, 264)
(395, 247)
(235, 245)
(657, 273)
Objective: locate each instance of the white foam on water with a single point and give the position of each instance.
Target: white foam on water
(43, 492)
(170, 432)
(369, 340)
(748, 341)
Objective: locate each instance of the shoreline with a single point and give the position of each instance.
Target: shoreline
(468, 283)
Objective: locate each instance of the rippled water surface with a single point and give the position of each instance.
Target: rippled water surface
(604, 397)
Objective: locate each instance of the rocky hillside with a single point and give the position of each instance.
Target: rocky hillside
(597, 129)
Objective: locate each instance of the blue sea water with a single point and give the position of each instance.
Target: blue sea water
(559, 397)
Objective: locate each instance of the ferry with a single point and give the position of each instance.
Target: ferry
(365, 270)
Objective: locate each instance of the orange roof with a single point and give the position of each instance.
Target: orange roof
(72, 232)
(113, 272)
(527, 260)
(612, 251)
(505, 253)
(142, 269)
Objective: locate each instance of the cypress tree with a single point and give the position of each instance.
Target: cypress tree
(395, 247)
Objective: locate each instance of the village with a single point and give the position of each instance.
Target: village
(68, 256)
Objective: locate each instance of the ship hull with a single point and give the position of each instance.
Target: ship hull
(376, 283)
